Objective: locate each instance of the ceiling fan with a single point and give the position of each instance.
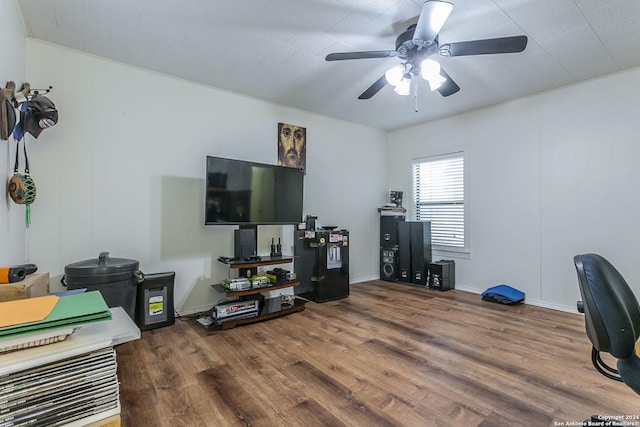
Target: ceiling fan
(418, 43)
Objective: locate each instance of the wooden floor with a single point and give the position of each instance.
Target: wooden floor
(388, 355)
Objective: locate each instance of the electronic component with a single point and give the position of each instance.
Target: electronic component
(260, 281)
(235, 308)
(239, 284)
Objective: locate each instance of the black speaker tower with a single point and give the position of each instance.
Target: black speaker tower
(404, 252)
(414, 251)
(420, 252)
(389, 246)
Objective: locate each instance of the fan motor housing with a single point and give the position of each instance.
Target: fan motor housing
(410, 49)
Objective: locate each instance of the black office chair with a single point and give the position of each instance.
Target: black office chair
(612, 318)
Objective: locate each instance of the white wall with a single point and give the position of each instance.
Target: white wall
(13, 249)
(549, 177)
(123, 171)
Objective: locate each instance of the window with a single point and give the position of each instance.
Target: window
(439, 198)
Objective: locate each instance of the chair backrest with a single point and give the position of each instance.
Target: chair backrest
(612, 314)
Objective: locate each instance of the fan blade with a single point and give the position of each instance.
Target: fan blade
(449, 87)
(374, 88)
(361, 55)
(513, 44)
(432, 18)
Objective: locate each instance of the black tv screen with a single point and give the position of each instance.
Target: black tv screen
(241, 192)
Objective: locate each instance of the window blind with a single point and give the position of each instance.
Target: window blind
(439, 197)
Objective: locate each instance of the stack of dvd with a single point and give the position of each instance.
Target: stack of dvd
(239, 284)
(61, 392)
(260, 281)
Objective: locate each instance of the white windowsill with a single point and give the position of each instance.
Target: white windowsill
(448, 252)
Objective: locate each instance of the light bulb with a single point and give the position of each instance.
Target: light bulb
(394, 75)
(404, 87)
(436, 81)
(429, 68)
(430, 71)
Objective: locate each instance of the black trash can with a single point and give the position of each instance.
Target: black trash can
(116, 278)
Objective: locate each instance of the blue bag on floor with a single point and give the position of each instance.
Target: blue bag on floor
(503, 294)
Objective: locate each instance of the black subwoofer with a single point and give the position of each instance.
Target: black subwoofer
(389, 264)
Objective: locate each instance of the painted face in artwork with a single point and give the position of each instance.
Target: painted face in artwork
(291, 145)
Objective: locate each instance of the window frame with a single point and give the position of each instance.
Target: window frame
(442, 155)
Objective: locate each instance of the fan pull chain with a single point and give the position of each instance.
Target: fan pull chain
(415, 95)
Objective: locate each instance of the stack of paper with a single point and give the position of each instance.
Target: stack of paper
(43, 320)
(61, 392)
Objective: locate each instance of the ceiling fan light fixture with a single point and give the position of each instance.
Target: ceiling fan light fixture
(430, 71)
(394, 75)
(421, 40)
(436, 81)
(404, 87)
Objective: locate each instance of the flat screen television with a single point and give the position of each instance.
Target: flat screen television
(241, 192)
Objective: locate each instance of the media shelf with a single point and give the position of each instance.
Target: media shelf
(269, 307)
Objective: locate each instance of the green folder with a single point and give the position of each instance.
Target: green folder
(69, 311)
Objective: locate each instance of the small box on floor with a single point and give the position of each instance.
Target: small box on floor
(33, 285)
(442, 275)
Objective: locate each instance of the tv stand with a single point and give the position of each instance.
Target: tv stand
(269, 307)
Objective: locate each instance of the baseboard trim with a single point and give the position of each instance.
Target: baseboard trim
(364, 279)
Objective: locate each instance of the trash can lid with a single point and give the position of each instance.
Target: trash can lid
(102, 265)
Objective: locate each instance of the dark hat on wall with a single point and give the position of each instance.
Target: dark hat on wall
(7, 119)
(41, 114)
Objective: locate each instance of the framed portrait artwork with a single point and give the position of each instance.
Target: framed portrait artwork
(292, 146)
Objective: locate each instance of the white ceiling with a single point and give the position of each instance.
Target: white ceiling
(274, 50)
